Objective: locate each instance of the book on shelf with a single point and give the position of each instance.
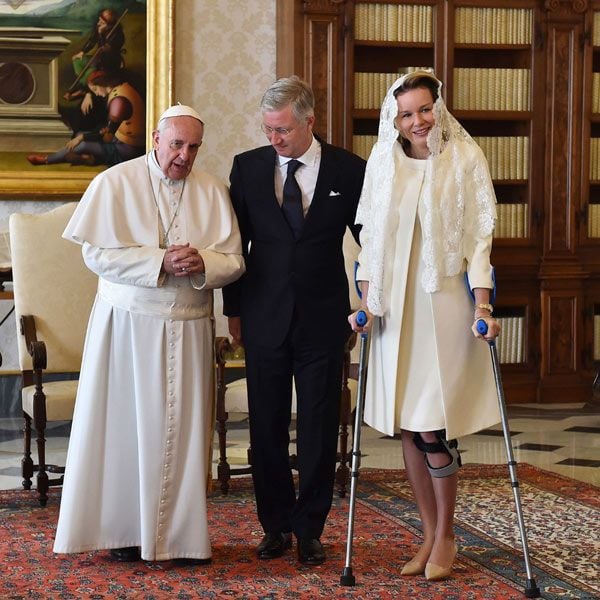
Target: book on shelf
(491, 89)
(594, 156)
(594, 220)
(506, 26)
(512, 221)
(596, 93)
(363, 144)
(507, 156)
(596, 337)
(510, 342)
(520, 356)
(370, 88)
(393, 22)
(596, 30)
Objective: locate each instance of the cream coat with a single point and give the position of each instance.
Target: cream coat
(426, 370)
(138, 458)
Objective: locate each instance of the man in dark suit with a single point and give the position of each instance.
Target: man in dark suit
(294, 200)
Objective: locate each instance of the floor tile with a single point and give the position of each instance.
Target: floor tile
(538, 447)
(582, 429)
(580, 462)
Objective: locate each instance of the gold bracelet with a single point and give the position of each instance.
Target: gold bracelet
(485, 306)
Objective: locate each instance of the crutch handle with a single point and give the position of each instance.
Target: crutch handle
(361, 318)
(481, 326)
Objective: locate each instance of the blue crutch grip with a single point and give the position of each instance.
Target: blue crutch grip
(361, 318)
(481, 326)
(356, 286)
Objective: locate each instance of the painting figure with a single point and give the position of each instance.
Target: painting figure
(107, 39)
(122, 136)
(103, 51)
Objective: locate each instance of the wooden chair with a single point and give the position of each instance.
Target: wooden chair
(348, 389)
(53, 295)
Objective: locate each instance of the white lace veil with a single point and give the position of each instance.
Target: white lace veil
(458, 199)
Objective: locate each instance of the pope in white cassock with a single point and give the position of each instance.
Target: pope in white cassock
(161, 237)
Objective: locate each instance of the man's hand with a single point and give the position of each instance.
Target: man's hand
(182, 260)
(235, 330)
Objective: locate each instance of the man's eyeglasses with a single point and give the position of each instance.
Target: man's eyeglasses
(282, 131)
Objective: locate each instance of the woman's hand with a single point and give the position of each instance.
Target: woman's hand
(73, 143)
(493, 328)
(366, 327)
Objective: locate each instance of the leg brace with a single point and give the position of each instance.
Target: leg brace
(450, 448)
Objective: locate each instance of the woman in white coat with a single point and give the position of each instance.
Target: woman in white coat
(428, 211)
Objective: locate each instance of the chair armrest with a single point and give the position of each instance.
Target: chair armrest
(223, 347)
(225, 352)
(35, 348)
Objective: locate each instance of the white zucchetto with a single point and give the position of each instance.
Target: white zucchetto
(180, 110)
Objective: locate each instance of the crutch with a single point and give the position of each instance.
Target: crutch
(531, 589)
(347, 578)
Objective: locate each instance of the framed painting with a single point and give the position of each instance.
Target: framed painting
(67, 67)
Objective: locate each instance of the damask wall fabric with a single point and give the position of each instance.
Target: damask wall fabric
(225, 59)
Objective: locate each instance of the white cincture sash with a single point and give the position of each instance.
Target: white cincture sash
(177, 300)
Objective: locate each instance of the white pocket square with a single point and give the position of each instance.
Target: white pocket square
(333, 193)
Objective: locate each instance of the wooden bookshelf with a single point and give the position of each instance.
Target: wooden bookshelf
(512, 73)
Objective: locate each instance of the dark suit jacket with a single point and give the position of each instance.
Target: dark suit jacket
(305, 279)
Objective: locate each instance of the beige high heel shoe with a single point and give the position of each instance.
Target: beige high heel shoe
(435, 572)
(413, 567)
(416, 565)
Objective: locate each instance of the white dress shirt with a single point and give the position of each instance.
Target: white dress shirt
(306, 175)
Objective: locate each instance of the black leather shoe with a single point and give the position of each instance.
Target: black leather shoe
(192, 562)
(310, 551)
(273, 545)
(129, 554)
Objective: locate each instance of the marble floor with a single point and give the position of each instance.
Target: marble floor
(563, 438)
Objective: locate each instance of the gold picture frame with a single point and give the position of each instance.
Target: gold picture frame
(60, 185)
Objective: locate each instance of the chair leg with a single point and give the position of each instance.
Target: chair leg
(223, 468)
(42, 475)
(39, 422)
(342, 474)
(26, 461)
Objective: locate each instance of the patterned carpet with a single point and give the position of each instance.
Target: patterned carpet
(561, 516)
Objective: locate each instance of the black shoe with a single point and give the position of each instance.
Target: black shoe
(192, 562)
(310, 551)
(130, 554)
(273, 545)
